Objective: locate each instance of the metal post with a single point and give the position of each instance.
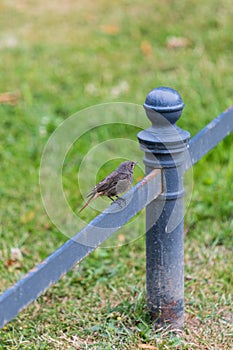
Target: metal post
(165, 147)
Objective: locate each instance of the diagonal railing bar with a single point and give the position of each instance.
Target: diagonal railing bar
(168, 153)
(210, 136)
(38, 280)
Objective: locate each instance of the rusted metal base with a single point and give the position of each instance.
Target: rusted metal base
(170, 315)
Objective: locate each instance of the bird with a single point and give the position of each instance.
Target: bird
(119, 181)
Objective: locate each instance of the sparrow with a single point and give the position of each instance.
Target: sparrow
(119, 181)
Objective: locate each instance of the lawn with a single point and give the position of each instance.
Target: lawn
(58, 59)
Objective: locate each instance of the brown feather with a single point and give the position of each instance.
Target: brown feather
(115, 183)
(94, 196)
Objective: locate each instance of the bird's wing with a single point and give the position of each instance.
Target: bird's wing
(102, 185)
(108, 182)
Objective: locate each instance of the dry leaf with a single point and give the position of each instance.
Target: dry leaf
(10, 98)
(110, 29)
(9, 262)
(12, 265)
(121, 238)
(27, 217)
(16, 254)
(146, 48)
(147, 346)
(174, 42)
(47, 225)
(15, 259)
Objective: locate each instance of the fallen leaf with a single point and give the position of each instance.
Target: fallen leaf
(27, 217)
(188, 278)
(146, 48)
(174, 42)
(10, 98)
(110, 29)
(9, 262)
(12, 264)
(121, 238)
(47, 225)
(16, 254)
(147, 346)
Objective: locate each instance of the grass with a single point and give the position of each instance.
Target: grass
(61, 59)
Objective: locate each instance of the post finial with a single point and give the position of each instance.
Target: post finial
(163, 106)
(165, 101)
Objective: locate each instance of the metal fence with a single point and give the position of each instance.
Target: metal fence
(169, 152)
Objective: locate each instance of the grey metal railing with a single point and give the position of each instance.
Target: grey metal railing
(168, 154)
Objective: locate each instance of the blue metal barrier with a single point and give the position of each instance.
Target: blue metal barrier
(168, 154)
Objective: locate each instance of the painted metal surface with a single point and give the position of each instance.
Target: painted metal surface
(210, 136)
(165, 147)
(38, 280)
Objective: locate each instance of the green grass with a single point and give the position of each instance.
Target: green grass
(61, 59)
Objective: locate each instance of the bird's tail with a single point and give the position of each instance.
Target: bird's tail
(92, 197)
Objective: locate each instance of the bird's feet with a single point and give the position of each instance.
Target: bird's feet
(120, 201)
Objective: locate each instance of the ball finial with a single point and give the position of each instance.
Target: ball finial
(165, 101)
